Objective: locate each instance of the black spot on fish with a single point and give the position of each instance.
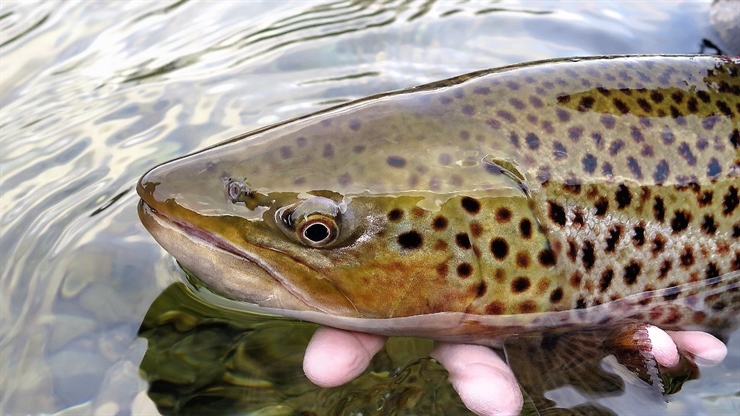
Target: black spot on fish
(711, 271)
(396, 161)
(395, 215)
(730, 201)
(656, 96)
(638, 235)
(646, 107)
(525, 228)
(724, 108)
(686, 258)
(588, 255)
(562, 115)
(522, 259)
(439, 223)
(608, 121)
(705, 198)
(589, 163)
(499, 248)
(556, 295)
(714, 168)
(464, 270)
(470, 205)
(680, 221)
(506, 116)
(410, 240)
(615, 147)
(463, 241)
(659, 209)
(708, 226)
(535, 101)
(575, 133)
(532, 141)
(557, 213)
(667, 136)
(692, 105)
(631, 272)
(658, 245)
(547, 258)
(355, 125)
(468, 110)
(665, 268)
(520, 284)
(623, 197)
(621, 106)
(606, 279)
(602, 205)
(662, 170)
(634, 167)
(615, 233)
(516, 103)
(709, 122)
(586, 103)
(636, 134)
(503, 215)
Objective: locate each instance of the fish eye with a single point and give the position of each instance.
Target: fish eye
(313, 222)
(318, 231)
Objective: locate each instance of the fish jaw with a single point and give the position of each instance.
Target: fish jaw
(214, 250)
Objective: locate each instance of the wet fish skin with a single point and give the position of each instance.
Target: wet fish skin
(495, 200)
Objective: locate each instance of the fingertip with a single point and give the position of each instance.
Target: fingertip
(706, 349)
(487, 391)
(334, 357)
(664, 349)
(485, 383)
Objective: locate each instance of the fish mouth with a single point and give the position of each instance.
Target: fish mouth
(225, 269)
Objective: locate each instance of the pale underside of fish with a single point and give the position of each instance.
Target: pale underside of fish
(559, 194)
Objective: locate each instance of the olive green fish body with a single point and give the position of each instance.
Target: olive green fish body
(514, 197)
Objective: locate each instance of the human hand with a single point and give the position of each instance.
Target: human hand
(485, 383)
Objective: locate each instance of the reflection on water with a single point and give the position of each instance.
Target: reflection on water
(95, 93)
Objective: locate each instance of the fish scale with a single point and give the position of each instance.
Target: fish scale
(501, 198)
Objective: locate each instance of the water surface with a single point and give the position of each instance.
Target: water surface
(95, 93)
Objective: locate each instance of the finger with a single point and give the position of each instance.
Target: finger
(705, 348)
(485, 383)
(664, 349)
(334, 357)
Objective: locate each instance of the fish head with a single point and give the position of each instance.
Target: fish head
(348, 213)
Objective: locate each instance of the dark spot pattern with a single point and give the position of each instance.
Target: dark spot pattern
(525, 228)
(606, 279)
(546, 257)
(520, 284)
(464, 270)
(556, 295)
(395, 214)
(588, 255)
(470, 205)
(463, 241)
(557, 213)
(623, 197)
(410, 240)
(631, 273)
(730, 201)
(396, 161)
(680, 221)
(439, 223)
(615, 233)
(503, 215)
(499, 248)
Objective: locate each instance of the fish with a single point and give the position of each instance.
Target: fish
(568, 193)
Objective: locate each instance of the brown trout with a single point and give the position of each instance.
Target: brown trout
(563, 193)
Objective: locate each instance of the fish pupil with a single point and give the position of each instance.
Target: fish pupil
(316, 232)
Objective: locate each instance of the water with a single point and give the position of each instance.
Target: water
(95, 93)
